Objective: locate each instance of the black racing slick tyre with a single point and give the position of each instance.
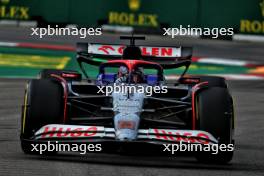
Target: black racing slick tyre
(214, 81)
(72, 75)
(43, 104)
(45, 74)
(215, 115)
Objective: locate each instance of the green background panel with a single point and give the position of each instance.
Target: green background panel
(197, 13)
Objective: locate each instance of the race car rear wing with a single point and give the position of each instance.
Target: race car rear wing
(167, 56)
(162, 53)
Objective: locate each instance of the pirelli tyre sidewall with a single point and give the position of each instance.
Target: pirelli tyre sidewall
(43, 104)
(215, 114)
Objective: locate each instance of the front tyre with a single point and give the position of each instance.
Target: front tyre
(43, 104)
(215, 115)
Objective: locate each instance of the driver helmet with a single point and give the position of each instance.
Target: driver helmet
(122, 71)
(138, 75)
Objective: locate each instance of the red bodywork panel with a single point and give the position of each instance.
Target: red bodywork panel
(131, 64)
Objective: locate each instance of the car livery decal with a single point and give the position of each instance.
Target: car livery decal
(189, 136)
(69, 131)
(117, 50)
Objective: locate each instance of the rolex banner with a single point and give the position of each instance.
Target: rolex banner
(245, 16)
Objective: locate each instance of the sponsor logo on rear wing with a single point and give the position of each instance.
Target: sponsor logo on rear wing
(117, 50)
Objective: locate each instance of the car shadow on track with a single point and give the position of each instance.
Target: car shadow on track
(180, 162)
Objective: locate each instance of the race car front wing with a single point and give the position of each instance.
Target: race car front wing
(62, 132)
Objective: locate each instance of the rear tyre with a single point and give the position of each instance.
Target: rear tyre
(43, 104)
(215, 115)
(45, 74)
(214, 81)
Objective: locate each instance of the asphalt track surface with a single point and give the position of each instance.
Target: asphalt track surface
(249, 103)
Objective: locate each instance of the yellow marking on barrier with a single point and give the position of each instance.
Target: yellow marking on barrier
(33, 61)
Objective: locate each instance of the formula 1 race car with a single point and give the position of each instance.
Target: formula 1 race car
(63, 107)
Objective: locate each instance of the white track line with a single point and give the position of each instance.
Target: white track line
(9, 44)
(227, 76)
(222, 61)
(248, 38)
